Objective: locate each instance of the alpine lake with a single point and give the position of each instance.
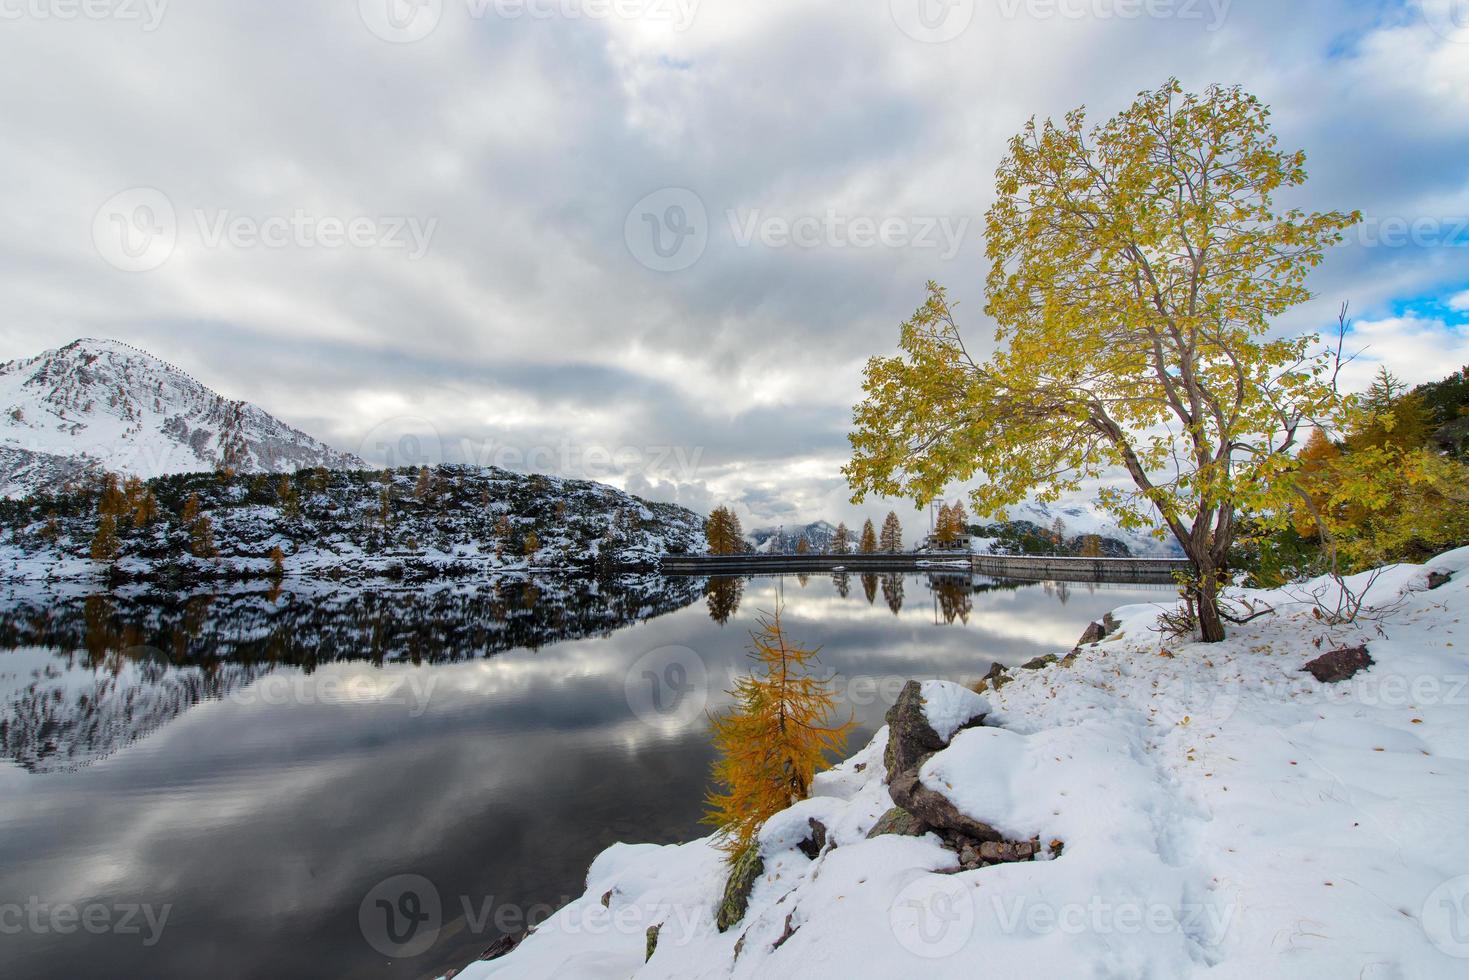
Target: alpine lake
(228, 784)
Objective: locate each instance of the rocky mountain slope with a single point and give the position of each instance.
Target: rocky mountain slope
(102, 405)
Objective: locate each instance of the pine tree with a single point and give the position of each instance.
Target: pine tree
(201, 531)
(1058, 532)
(139, 504)
(724, 533)
(959, 519)
(868, 544)
(771, 742)
(892, 534)
(201, 538)
(841, 541)
(423, 491)
(286, 494)
(943, 528)
(112, 502)
(502, 533)
(105, 545)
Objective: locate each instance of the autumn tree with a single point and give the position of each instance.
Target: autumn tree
(424, 489)
(277, 563)
(1381, 495)
(140, 504)
(770, 743)
(199, 528)
(1091, 546)
(531, 544)
(943, 528)
(868, 544)
(891, 540)
(724, 533)
(285, 494)
(841, 541)
(111, 502)
(1134, 273)
(105, 544)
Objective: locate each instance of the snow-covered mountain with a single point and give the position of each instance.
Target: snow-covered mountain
(102, 405)
(783, 541)
(1079, 518)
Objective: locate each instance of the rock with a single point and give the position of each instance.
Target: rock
(968, 856)
(607, 899)
(911, 739)
(1092, 634)
(1436, 579)
(502, 946)
(744, 871)
(934, 810)
(652, 942)
(997, 677)
(811, 846)
(1339, 665)
(1097, 632)
(786, 934)
(897, 821)
(1040, 662)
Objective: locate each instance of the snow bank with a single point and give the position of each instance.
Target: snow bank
(1222, 814)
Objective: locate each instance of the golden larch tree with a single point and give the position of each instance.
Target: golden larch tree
(772, 741)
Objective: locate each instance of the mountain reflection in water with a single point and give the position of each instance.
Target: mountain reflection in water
(260, 759)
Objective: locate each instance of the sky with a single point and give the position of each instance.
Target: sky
(651, 242)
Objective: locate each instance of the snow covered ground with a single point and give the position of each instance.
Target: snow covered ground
(1222, 814)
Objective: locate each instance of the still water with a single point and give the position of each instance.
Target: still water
(214, 785)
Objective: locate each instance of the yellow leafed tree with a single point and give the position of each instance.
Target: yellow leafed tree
(1136, 269)
(772, 741)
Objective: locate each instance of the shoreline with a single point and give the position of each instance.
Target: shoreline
(1223, 790)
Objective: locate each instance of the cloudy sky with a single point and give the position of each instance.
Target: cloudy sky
(649, 241)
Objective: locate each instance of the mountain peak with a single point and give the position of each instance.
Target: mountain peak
(98, 404)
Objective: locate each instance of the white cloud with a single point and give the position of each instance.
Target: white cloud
(1416, 349)
(529, 139)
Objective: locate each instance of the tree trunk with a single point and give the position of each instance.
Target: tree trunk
(1205, 592)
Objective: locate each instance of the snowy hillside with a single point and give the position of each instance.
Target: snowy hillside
(1083, 518)
(1152, 807)
(406, 523)
(102, 405)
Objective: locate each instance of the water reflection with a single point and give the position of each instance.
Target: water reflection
(261, 762)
